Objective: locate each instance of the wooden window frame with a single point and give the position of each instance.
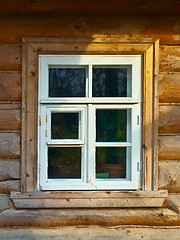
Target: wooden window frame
(148, 195)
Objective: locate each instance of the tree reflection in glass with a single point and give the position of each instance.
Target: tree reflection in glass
(111, 81)
(64, 125)
(111, 125)
(64, 162)
(67, 81)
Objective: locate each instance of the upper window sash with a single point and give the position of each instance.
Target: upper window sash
(89, 61)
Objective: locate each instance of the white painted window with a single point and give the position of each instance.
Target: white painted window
(89, 113)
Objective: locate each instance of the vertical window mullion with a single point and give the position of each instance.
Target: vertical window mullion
(90, 82)
(91, 143)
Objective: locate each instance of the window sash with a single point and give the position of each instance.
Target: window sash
(89, 180)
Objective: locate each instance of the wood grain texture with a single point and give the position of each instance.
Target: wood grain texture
(169, 119)
(9, 169)
(10, 116)
(59, 6)
(14, 27)
(169, 147)
(169, 88)
(10, 86)
(89, 199)
(169, 176)
(10, 145)
(5, 202)
(10, 57)
(173, 202)
(169, 59)
(79, 217)
(9, 185)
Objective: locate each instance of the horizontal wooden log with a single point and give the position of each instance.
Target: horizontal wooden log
(5, 202)
(10, 86)
(169, 59)
(10, 116)
(101, 217)
(9, 169)
(169, 119)
(13, 28)
(10, 145)
(173, 202)
(169, 148)
(70, 7)
(9, 185)
(169, 88)
(169, 176)
(93, 233)
(10, 57)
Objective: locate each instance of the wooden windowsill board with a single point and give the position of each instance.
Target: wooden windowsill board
(89, 199)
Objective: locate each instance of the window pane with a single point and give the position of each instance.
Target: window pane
(111, 81)
(67, 81)
(111, 125)
(64, 162)
(110, 162)
(64, 125)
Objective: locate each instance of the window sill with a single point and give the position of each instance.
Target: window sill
(89, 199)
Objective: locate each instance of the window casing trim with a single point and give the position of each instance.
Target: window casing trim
(149, 50)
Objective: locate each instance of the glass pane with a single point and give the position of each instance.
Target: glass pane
(64, 125)
(64, 162)
(111, 162)
(111, 125)
(111, 81)
(67, 81)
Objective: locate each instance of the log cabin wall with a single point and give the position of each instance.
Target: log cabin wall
(12, 29)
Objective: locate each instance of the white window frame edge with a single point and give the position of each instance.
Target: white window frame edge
(134, 184)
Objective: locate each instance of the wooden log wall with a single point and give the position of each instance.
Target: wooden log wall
(166, 28)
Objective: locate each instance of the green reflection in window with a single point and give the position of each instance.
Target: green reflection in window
(110, 162)
(64, 125)
(64, 162)
(111, 125)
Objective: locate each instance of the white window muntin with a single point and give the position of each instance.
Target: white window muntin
(90, 60)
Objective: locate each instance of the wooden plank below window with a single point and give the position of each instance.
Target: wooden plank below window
(89, 199)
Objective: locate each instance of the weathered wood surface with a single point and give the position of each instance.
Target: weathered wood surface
(5, 203)
(79, 6)
(89, 199)
(93, 233)
(169, 147)
(10, 145)
(169, 175)
(14, 27)
(10, 86)
(169, 88)
(169, 59)
(10, 57)
(10, 116)
(7, 186)
(88, 203)
(9, 169)
(173, 202)
(169, 119)
(90, 194)
(102, 217)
